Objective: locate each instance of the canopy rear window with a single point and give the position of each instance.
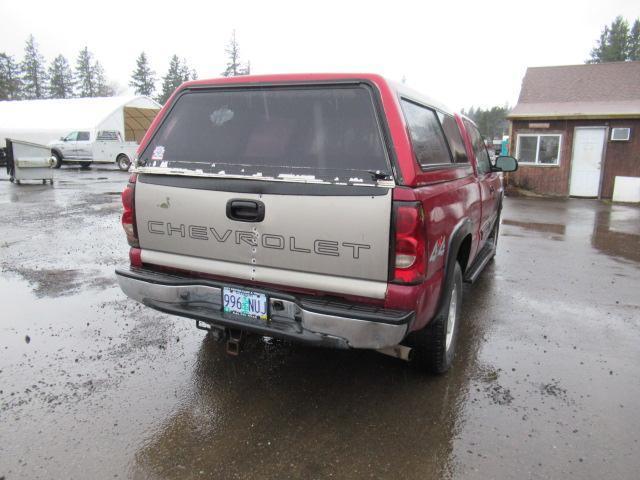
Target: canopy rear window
(325, 133)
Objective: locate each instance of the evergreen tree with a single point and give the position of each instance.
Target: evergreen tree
(10, 82)
(185, 72)
(172, 80)
(634, 41)
(616, 42)
(143, 79)
(234, 66)
(34, 73)
(103, 89)
(492, 122)
(60, 78)
(85, 74)
(90, 78)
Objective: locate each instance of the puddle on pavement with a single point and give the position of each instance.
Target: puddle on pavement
(537, 227)
(617, 238)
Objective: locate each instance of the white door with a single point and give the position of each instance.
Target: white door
(588, 145)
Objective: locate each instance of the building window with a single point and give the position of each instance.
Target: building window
(543, 149)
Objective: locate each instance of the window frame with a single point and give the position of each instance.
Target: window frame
(67, 139)
(536, 162)
(83, 132)
(379, 114)
(471, 127)
(439, 113)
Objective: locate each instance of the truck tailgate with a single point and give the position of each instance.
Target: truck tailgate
(332, 238)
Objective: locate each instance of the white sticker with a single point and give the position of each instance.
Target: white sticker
(158, 153)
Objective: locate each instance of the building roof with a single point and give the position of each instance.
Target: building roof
(603, 90)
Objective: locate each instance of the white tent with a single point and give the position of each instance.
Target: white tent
(41, 121)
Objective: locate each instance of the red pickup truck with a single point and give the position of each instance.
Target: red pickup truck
(341, 210)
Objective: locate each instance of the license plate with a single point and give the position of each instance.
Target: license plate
(244, 302)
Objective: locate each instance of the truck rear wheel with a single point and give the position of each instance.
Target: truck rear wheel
(123, 162)
(434, 347)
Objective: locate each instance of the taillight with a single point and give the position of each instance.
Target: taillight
(409, 243)
(129, 214)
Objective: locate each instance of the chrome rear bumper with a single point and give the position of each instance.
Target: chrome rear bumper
(306, 319)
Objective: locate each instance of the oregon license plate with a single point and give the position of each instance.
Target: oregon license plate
(244, 302)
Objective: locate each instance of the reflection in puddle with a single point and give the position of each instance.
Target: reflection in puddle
(613, 238)
(538, 227)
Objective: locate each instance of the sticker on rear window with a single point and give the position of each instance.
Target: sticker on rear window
(158, 153)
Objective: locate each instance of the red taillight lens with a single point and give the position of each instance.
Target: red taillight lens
(135, 257)
(409, 261)
(129, 213)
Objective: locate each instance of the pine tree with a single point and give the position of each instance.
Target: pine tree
(615, 43)
(143, 79)
(34, 73)
(10, 82)
(91, 81)
(103, 89)
(172, 80)
(185, 72)
(634, 41)
(618, 48)
(60, 78)
(234, 66)
(85, 74)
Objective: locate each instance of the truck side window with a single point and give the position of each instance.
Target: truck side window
(427, 138)
(83, 136)
(479, 148)
(452, 132)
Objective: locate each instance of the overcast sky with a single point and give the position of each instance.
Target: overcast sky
(462, 53)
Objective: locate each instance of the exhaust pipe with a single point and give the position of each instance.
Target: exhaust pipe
(397, 351)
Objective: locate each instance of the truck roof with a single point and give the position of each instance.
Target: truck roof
(380, 81)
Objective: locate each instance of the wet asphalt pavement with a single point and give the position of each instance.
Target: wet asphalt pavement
(546, 383)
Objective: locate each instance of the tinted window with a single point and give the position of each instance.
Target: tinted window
(330, 133)
(454, 138)
(427, 139)
(83, 136)
(72, 137)
(479, 148)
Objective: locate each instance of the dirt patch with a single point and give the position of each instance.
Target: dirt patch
(553, 389)
(58, 282)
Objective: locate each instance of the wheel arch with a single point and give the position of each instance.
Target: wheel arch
(458, 248)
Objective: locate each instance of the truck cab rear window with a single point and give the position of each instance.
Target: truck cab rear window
(327, 133)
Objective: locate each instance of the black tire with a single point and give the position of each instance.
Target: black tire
(58, 158)
(431, 351)
(123, 162)
(85, 165)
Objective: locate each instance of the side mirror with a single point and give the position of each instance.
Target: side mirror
(505, 164)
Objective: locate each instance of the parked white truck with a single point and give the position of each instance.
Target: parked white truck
(86, 147)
